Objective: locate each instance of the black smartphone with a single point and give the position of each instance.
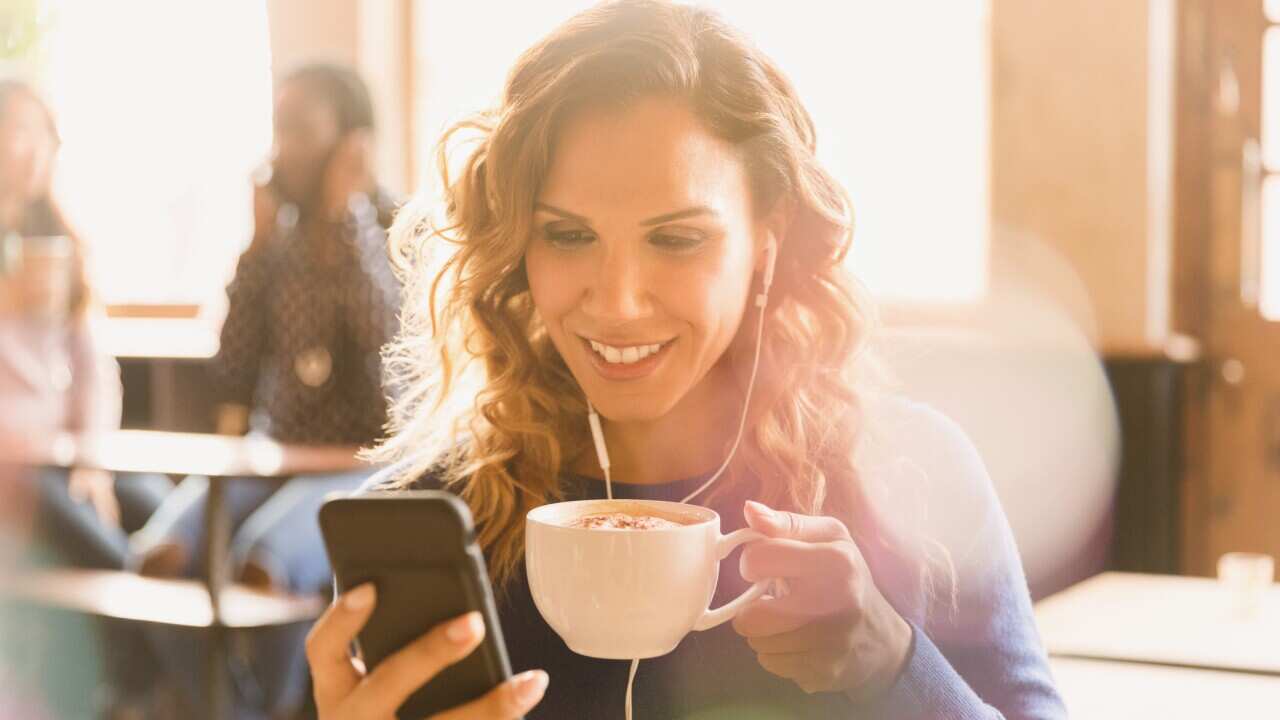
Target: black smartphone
(418, 548)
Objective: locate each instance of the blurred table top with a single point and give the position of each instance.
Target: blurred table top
(157, 337)
(148, 451)
(1162, 619)
(1108, 690)
(186, 603)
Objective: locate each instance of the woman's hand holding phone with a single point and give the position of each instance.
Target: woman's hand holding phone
(344, 690)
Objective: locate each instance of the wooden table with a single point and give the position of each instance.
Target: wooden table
(219, 606)
(1162, 619)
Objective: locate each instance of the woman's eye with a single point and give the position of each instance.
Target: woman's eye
(668, 241)
(568, 238)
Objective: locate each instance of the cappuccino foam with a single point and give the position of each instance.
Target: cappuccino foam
(622, 521)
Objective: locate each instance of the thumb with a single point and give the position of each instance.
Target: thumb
(793, 526)
(766, 520)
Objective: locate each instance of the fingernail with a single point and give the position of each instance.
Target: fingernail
(529, 686)
(464, 629)
(360, 598)
(760, 508)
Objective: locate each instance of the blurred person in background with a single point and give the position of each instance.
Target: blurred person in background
(54, 379)
(312, 302)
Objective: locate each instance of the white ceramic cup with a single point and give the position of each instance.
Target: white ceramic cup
(623, 594)
(1247, 578)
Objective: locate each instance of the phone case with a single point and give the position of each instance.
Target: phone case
(418, 548)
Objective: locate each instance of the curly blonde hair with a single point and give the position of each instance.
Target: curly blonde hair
(484, 400)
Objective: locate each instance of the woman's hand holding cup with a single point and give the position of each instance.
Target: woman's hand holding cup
(833, 631)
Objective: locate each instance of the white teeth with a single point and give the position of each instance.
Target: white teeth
(624, 356)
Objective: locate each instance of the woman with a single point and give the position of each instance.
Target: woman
(54, 378)
(312, 303)
(310, 306)
(625, 195)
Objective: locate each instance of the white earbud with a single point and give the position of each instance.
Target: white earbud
(602, 453)
(770, 261)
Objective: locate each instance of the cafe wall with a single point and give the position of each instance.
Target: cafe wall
(1080, 151)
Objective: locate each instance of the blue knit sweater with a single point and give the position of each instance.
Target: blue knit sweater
(975, 651)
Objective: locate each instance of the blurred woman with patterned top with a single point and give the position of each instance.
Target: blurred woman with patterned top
(311, 304)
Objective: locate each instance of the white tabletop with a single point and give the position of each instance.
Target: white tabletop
(171, 338)
(1104, 690)
(127, 596)
(1162, 619)
(171, 453)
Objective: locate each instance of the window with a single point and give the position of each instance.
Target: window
(900, 96)
(164, 107)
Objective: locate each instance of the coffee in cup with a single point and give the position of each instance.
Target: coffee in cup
(621, 521)
(625, 579)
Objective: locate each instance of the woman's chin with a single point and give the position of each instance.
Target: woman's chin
(619, 408)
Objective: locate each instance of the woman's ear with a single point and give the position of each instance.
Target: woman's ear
(775, 227)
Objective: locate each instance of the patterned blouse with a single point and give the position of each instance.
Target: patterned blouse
(309, 310)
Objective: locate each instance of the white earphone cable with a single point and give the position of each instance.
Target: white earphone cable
(631, 681)
(602, 454)
(746, 405)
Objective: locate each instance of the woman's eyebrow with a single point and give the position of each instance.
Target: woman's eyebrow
(688, 212)
(562, 213)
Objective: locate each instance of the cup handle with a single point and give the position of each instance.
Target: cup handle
(729, 610)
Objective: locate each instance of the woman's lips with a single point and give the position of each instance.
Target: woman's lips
(626, 371)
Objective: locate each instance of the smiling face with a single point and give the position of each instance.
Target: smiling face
(642, 256)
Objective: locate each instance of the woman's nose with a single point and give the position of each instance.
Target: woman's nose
(619, 289)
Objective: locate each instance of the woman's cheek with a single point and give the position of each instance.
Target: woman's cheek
(554, 284)
(718, 296)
